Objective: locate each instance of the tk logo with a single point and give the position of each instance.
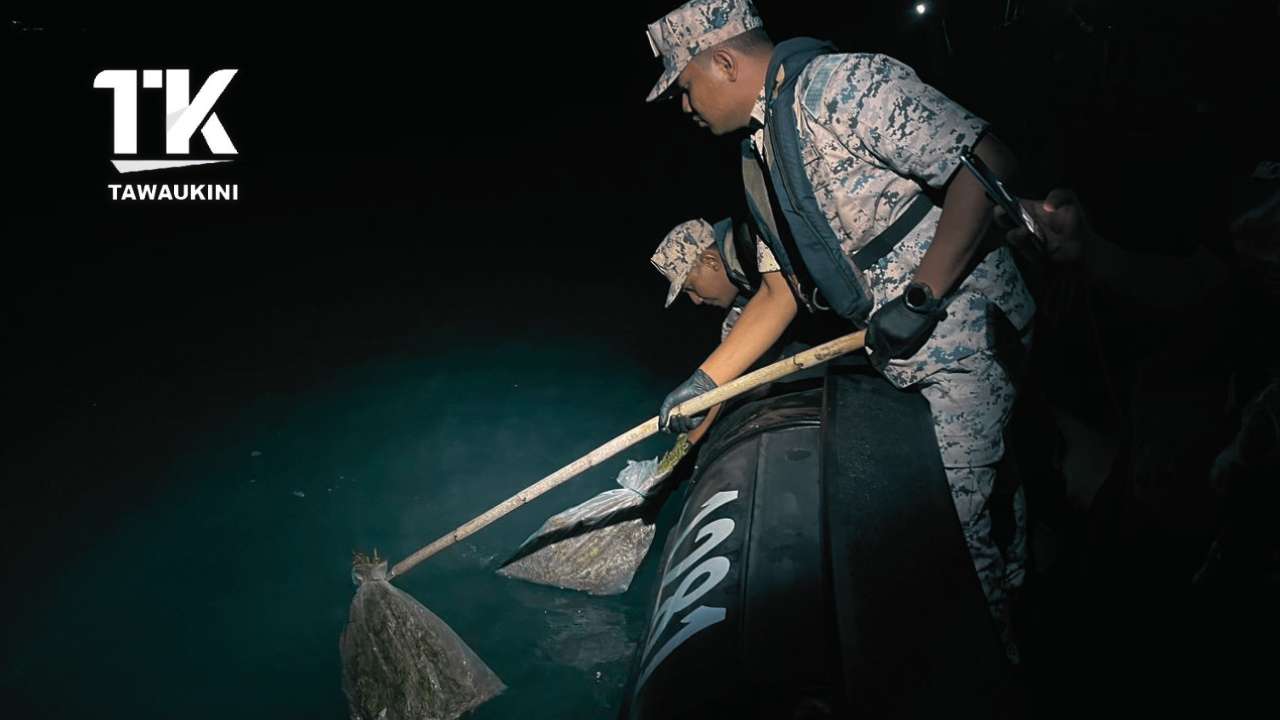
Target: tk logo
(184, 115)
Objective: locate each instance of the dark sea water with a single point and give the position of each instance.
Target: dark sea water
(198, 485)
(224, 593)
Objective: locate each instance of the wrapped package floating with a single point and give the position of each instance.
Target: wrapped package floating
(596, 547)
(400, 661)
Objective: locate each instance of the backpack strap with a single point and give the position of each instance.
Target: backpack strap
(832, 271)
(886, 241)
(737, 249)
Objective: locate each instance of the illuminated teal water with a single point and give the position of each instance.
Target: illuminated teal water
(222, 593)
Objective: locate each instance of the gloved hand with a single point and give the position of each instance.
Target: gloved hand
(902, 326)
(698, 383)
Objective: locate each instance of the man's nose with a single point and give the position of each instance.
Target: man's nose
(693, 296)
(684, 103)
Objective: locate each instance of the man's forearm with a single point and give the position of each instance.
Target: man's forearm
(697, 433)
(761, 324)
(965, 214)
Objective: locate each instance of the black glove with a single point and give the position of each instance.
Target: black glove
(902, 326)
(698, 383)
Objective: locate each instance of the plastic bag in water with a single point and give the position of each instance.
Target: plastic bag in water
(597, 546)
(400, 661)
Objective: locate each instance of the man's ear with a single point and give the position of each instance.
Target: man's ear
(725, 64)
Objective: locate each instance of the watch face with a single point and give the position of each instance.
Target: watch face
(916, 296)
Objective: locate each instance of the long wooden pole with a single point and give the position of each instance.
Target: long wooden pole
(800, 361)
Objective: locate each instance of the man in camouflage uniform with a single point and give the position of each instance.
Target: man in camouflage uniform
(690, 260)
(869, 132)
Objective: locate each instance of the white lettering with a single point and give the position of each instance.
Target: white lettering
(713, 569)
(178, 192)
(124, 87)
(698, 582)
(708, 507)
(185, 115)
(717, 530)
(700, 619)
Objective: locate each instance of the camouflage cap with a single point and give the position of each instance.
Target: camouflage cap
(692, 28)
(678, 252)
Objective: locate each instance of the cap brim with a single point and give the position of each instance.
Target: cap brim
(663, 85)
(677, 287)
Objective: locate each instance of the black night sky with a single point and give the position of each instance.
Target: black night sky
(479, 187)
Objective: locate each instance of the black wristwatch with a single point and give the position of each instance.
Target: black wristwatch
(918, 297)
